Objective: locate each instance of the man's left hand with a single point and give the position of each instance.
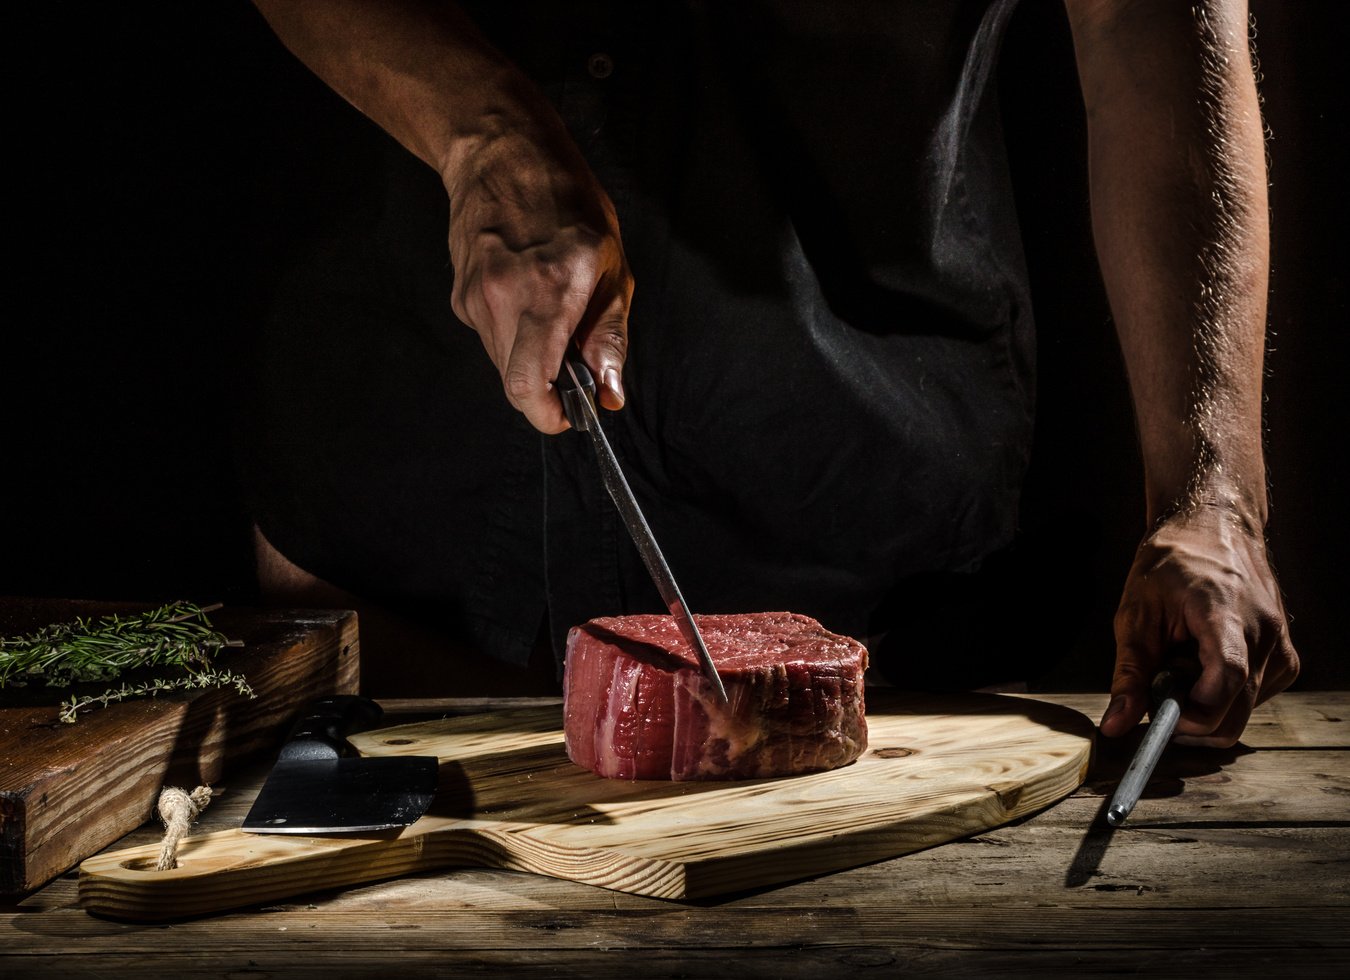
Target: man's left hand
(1201, 577)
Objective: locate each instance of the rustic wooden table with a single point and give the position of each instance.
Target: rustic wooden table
(1235, 862)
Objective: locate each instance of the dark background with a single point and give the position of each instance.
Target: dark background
(166, 159)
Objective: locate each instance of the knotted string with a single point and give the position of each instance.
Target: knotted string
(179, 810)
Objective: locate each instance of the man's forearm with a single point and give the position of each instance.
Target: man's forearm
(534, 239)
(1179, 217)
(420, 70)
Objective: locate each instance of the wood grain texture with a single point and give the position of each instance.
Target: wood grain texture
(68, 790)
(1251, 882)
(1308, 719)
(936, 769)
(605, 958)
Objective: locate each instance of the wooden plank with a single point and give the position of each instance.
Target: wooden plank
(1295, 719)
(295, 958)
(1024, 865)
(1313, 719)
(1195, 786)
(936, 769)
(68, 790)
(988, 926)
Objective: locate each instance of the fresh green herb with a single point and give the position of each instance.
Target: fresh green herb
(202, 679)
(178, 635)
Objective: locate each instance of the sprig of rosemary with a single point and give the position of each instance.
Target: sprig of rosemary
(87, 649)
(177, 635)
(202, 679)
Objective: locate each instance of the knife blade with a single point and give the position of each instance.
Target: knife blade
(320, 785)
(576, 387)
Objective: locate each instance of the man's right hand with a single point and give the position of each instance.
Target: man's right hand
(538, 262)
(533, 237)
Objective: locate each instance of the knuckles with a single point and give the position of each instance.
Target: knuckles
(521, 386)
(612, 338)
(544, 279)
(1234, 670)
(1128, 620)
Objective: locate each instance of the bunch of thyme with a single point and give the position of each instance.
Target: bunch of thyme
(177, 635)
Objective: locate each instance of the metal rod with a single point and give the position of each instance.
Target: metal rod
(1160, 728)
(1162, 723)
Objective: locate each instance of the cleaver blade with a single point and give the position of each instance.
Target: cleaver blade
(320, 785)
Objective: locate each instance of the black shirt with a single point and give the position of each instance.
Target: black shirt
(830, 369)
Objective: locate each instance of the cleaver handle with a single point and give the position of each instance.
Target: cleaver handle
(323, 726)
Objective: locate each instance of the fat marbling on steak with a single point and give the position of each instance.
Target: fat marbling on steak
(635, 705)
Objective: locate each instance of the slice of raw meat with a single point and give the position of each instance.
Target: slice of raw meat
(636, 706)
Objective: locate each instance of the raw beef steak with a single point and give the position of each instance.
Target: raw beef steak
(636, 706)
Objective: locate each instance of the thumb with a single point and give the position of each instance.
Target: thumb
(604, 348)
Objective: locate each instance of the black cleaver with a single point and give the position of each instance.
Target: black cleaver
(320, 785)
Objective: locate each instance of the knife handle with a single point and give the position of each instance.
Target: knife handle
(321, 730)
(574, 385)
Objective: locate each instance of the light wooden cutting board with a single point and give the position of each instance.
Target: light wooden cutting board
(936, 769)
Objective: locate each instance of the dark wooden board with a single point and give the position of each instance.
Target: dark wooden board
(68, 790)
(1312, 720)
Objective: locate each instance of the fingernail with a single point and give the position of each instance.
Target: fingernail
(1116, 706)
(614, 383)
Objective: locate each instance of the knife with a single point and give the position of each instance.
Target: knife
(321, 786)
(576, 387)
